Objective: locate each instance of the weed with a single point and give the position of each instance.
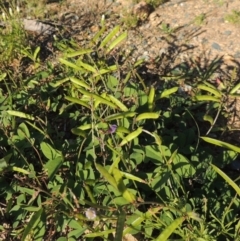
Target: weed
(199, 20)
(12, 30)
(88, 151)
(233, 17)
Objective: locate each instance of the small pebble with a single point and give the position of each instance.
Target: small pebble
(216, 46)
(227, 32)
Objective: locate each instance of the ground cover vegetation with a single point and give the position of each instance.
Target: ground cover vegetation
(91, 151)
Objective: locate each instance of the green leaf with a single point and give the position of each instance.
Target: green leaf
(221, 143)
(4, 161)
(70, 64)
(87, 66)
(103, 171)
(206, 98)
(32, 223)
(23, 131)
(208, 118)
(117, 41)
(168, 92)
(131, 136)
(79, 82)
(98, 98)
(209, 89)
(79, 132)
(183, 167)
(3, 76)
(77, 101)
(120, 226)
(139, 219)
(20, 170)
(170, 229)
(52, 166)
(235, 89)
(99, 234)
(49, 152)
(108, 38)
(227, 179)
(20, 114)
(77, 53)
(121, 187)
(120, 115)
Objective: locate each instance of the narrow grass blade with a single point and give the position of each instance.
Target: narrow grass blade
(221, 143)
(79, 82)
(207, 98)
(116, 41)
(70, 64)
(35, 219)
(20, 114)
(133, 178)
(170, 229)
(59, 82)
(168, 92)
(99, 234)
(147, 115)
(120, 115)
(120, 226)
(131, 136)
(140, 219)
(79, 132)
(86, 66)
(77, 101)
(118, 103)
(235, 89)
(227, 179)
(209, 89)
(97, 97)
(103, 171)
(121, 187)
(79, 52)
(20, 170)
(109, 36)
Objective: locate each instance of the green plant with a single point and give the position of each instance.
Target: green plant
(130, 20)
(233, 17)
(90, 151)
(13, 37)
(199, 20)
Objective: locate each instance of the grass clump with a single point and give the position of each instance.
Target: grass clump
(13, 37)
(233, 17)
